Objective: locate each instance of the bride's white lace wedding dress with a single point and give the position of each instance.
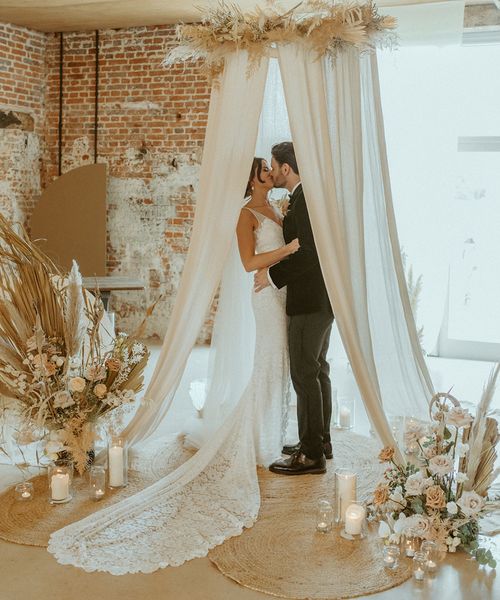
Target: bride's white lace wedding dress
(214, 494)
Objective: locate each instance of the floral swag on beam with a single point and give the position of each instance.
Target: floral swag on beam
(326, 27)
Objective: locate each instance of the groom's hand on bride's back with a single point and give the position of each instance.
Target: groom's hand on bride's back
(260, 280)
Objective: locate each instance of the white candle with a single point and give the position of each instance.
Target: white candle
(25, 494)
(59, 486)
(354, 517)
(431, 565)
(115, 456)
(345, 417)
(99, 493)
(346, 492)
(418, 574)
(389, 561)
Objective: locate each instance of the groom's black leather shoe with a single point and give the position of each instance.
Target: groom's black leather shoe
(299, 464)
(327, 449)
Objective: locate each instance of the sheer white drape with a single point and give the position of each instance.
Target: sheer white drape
(229, 147)
(403, 375)
(339, 151)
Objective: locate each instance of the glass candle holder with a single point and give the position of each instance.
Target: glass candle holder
(324, 516)
(97, 478)
(354, 527)
(430, 550)
(345, 412)
(411, 544)
(117, 462)
(419, 566)
(24, 491)
(345, 492)
(391, 556)
(60, 477)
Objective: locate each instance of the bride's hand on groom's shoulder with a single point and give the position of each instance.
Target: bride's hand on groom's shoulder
(260, 280)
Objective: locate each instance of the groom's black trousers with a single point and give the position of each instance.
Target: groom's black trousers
(308, 339)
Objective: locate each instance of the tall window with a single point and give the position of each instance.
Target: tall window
(442, 119)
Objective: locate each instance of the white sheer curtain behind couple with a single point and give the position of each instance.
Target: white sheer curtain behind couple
(338, 136)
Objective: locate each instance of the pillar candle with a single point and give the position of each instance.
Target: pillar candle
(354, 517)
(346, 492)
(115, 456)
(59, 486)
(344, 417)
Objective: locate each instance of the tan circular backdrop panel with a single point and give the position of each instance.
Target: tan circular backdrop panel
(283, 555)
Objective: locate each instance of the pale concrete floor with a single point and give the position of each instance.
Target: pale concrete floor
(28, 573)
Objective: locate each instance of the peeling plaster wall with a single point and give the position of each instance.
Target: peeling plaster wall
(23, 80)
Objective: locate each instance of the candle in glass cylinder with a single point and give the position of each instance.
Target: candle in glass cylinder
(115, 457)
(345, 492)
(344, 417)
(59, 486)
(354, 519)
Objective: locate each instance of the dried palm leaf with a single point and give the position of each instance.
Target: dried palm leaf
(482, 440)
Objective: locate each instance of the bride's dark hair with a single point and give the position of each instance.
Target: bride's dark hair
(256, 170)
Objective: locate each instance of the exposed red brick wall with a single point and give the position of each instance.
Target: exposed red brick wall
(151, 130)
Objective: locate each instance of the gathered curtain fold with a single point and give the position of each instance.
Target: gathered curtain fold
(231, 136)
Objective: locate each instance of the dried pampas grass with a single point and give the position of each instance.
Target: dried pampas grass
(324, 26)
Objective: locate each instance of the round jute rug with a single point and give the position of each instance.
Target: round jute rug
(284, 556)
(32, 523)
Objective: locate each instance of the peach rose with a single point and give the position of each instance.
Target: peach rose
(381, 494)
(434, 497)
(386, 454)
(100, 390)
(77, 384)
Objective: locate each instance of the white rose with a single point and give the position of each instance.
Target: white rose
(470, 503)
(420, 525)
(452, 508)
(63, 399)
(100, 390)
(415, 484)
(77, 384)
(459, 417)
(440, 465)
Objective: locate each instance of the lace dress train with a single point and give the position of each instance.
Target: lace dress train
(214, 494)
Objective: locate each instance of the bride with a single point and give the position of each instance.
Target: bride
(214, 494)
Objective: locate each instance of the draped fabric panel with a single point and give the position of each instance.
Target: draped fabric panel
(325, 117)
(231, 136)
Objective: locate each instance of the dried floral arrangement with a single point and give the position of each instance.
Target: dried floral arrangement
(60, 370)
(325, 26)
(443, 493)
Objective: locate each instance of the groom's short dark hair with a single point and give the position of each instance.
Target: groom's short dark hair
(284, 153)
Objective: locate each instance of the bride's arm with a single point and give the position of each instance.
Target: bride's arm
(246, 245)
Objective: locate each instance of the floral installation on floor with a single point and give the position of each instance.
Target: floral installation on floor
(326, 26)
(61, 372)
(443, 492)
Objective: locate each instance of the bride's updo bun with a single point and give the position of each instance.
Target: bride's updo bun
(256, 170)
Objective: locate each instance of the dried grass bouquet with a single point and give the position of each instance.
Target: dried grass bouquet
(61, 371)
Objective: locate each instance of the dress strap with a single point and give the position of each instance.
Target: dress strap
(259, 216)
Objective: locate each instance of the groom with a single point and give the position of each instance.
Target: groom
(310, 324)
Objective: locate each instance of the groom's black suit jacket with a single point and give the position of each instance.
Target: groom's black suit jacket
(300, 272)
